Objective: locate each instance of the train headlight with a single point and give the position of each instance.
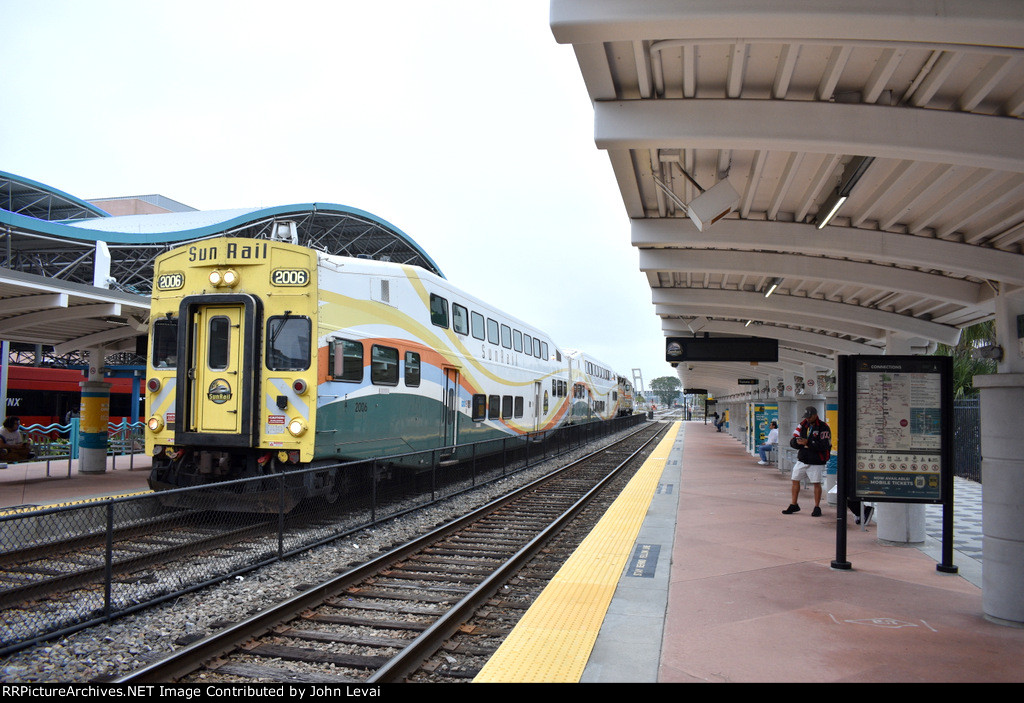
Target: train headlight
(300, 386)
(227, 278)
(297, 427)
(155, 423)
(153, 385)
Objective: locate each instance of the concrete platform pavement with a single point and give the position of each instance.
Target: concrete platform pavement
(752, 595)
(33, 483)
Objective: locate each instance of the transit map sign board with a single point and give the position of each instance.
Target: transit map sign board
(895, 439)
(898, 414)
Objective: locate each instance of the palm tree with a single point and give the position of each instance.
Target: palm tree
(965, 366)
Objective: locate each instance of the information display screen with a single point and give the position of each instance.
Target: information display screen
(679, 349)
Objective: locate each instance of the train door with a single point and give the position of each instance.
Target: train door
(218, 348)
(449, 422)
(536, 405)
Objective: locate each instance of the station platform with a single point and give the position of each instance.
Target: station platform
(695, 575)
(710, 582)
(33, 484)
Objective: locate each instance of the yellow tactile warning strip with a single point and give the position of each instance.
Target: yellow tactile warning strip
(552, 642)
(67, 503)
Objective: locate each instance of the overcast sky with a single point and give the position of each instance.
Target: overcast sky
(461, 122)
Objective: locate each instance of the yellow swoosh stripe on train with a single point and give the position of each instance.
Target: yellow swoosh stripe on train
(267, 357)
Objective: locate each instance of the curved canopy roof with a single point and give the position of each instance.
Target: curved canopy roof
(42, 202)
(911, 110)
(50, 244)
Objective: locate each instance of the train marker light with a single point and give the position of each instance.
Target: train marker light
(297, 427)
(300, 386)
(155, 423)
(153, 385)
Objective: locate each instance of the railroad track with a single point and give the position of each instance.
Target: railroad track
(381, 620)
(71, 583)
(63, 567)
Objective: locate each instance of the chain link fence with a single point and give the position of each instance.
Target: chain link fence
(63, 569)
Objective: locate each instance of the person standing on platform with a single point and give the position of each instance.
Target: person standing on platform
(769, 443)
(813, 440)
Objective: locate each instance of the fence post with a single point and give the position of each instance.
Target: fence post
(108, 570)
(73, 436)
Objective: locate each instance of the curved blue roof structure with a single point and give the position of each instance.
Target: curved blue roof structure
(53, 234)
(27, 197)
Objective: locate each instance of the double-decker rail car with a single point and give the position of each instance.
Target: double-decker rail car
(594, 388)
(267, 356)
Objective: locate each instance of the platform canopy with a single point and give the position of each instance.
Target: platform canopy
(872, 155)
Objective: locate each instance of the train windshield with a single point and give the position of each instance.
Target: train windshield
(288, 343)
(165, 344)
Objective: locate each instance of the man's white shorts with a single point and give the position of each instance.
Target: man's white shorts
(813, 472)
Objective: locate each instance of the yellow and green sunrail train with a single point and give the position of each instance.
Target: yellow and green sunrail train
(266, 356)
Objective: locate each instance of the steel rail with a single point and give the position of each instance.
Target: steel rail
(191, 657)
(429, 641)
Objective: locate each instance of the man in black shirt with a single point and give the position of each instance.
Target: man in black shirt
(813, 440)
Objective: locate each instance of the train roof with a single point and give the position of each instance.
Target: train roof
(591, 358)
(371, 235)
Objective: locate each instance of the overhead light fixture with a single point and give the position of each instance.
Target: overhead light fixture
(832, 204)
(852, 172)
(772, 285)
(749, 323)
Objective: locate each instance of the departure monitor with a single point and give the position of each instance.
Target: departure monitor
(680, 349)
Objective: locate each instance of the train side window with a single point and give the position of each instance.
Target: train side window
(517, 340)
(165, 344)
(288, 343)
(412, 369)
(527, 345)
(506, 336)
(519, 406)
(492, 331)
(506, 407)
(384, 366)
(460, 319)
(479, 407)
(218, 349)
(544, 350)
(439, 311)
(494, 407)
(536, 348)
(478, 324)
(347, 360)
